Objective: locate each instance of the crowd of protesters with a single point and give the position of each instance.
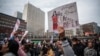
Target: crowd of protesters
(62, 47)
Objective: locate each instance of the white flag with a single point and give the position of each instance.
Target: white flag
(51, 41)
(39, 44)
(26, 32)
(15, 28)
(16, 25)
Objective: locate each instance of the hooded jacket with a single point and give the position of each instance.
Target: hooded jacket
(90, 52)
(68, 51)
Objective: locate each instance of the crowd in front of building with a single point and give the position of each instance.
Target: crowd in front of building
(61, 47)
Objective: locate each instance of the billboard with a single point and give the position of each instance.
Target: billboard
(65, 16)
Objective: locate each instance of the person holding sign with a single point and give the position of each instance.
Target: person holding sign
(67, 49)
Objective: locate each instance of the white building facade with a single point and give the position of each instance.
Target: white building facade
(35, 19)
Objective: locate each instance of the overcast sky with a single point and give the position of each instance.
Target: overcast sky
(88, 10)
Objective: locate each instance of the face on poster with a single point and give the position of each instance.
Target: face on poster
(65, 16)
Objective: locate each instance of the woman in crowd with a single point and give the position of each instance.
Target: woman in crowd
(10, 48)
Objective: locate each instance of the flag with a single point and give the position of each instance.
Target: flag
(44, 41)
(51, 41)
(39, 44)
(26, 32)
(16, 25)
(15, 28)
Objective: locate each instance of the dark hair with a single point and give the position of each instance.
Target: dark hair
(54, 13)
(13, 47)
(68, 39)
(0, 49)
(50, 46)
(74, 39)
(23, 42)
(0, 46)
(27, 47)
